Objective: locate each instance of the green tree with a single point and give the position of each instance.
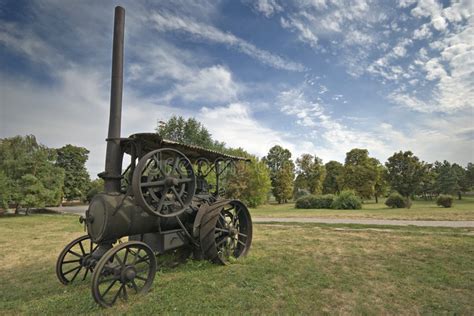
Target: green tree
(463, 181)
(334, 177)
(283, 183)
(76, 181)
(96, 186)
(190, 132)
(447, 179)
(282, 172)
(5, 191)
(404, 173)
(22, 156)
(427, 187)
(250, 182)
(310, 170)
(380, 185)
(360, 173)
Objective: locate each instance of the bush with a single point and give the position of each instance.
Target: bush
(347, 200)
(395, 200)
(444, 200)
(315, 201)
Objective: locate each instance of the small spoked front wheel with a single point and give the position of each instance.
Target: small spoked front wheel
(124, 271)
(75, 262)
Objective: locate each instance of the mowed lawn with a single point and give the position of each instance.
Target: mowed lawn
(420, 210)
(305, 268)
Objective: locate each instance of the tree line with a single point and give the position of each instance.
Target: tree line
(403, 172)
(33, 175)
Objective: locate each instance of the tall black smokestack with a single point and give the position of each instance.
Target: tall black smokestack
(113, 158)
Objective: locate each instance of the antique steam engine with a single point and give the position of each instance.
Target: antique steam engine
(163, 202)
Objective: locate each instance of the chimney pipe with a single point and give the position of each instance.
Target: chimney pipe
(113, 158)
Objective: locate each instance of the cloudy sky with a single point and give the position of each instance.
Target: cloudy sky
(315, 76)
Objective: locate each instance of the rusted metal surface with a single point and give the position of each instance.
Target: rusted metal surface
(113, 157)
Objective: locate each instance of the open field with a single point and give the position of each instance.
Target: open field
(292, 269)
(420, 210)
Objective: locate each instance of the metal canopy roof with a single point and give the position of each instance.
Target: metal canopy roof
(152, 141)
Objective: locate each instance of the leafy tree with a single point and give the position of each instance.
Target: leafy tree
(250, 182)
(76, 181)
(283, 183)
(334, 177)
(189, 131)
(360, 173)
(5, 192)
(282, 173)
(96, 186)
(470, 175)
(447, 178)
(463, 181)
(311, 173)
(427, 187)
(404, 172)
(24, 156)
(380, 185)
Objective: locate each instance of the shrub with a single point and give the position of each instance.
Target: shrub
(444, 200)
(315, 201)
(396, 200)
(347, 200)
(303, 202)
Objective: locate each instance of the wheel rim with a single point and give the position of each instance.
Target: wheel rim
(124, 271)
(233, 232)
(74, 261)
(164, 182)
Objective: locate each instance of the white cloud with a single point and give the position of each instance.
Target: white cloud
(212, 84)
(267, 7)
(235, 125)
(167, 22)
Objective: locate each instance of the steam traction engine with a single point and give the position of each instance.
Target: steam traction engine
(163, 202)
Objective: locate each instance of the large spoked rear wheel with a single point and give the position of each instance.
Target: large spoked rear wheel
(124, 271)
(74, 262)
(226, 232)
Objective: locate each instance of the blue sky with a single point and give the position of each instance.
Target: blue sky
(315, 76)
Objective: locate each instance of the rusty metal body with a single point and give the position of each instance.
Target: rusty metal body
(163, 201)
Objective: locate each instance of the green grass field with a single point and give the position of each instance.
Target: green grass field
(420, 210)
(291, 269)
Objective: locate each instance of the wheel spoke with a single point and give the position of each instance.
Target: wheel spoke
(177, 196)
(241, 242)
(77, 272)
(240, 234)
(125, 257)
(108, 280)
(125, 295)
(82, 248)
(152, 184)
(110, 286)
(134, 285)
(71, 261)
(117, 295)
(119, 260)
(74, 269)
(141, 278)
(85, 274)
(74, 253)
(222, 230)
(136, 256)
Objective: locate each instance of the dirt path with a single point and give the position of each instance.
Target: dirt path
(80, 210)
(363, 221)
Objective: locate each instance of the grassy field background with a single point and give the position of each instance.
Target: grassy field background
(420, 210)
(291, 268)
